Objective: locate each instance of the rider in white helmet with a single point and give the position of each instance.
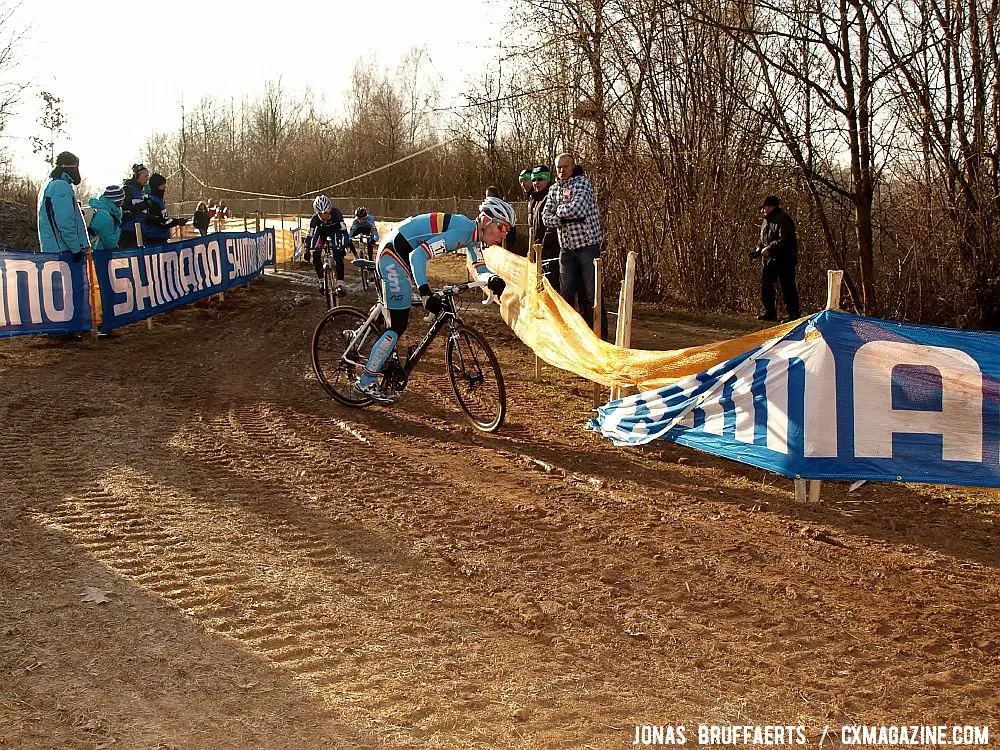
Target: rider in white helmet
(327, 226)
(402, 262)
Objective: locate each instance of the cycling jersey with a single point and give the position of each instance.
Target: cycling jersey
(431, 235)
(365, 226)
(329, 231)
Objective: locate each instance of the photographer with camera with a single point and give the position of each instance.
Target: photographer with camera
(779, 251)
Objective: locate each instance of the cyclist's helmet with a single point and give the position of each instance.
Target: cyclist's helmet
(322, 203)
(361, 213)
(499, 210)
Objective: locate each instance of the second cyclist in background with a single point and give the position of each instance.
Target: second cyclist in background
(363, 227)
(327, 227)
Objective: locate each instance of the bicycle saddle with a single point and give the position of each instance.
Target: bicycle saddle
(366, 264)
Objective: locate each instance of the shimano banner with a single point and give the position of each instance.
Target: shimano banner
(839, 397)
(298, 245)
(43, 293)
(140, 282)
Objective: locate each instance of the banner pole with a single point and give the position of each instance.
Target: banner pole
(598, 302)
(623, 332)
(140, 242)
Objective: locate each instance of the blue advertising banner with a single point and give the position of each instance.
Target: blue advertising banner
(141, 282)
(839, 397)
(43, 293)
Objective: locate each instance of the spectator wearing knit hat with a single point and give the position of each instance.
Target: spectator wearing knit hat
(106, 225)
(60, 224)
(135, 204)
(157, 224)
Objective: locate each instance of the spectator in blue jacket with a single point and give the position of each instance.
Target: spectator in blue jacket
(106, 224)
(157, 223)
(60, 224)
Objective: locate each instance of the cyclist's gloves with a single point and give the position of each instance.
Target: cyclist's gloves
(496, 285)
(433, 301)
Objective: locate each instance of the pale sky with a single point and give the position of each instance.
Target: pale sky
(122, 68)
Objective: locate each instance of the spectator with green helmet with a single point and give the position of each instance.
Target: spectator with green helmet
(547, 237)
(525, 179)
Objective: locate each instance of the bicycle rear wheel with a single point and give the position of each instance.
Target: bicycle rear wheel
(476, 379)
(340, 350)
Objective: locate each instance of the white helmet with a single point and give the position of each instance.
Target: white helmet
(322, 203)
(498, 210)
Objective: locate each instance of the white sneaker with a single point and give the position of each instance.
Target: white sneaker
(372, 391)
(341, 289)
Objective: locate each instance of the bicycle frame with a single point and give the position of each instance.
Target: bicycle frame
(366, 243)
(447, 316)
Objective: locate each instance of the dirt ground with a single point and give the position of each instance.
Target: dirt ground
(284, 572)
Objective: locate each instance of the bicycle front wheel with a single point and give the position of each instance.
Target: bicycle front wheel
(341, 345)
(330, 288)
(476, 378)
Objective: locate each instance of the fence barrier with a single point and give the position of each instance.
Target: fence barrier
(50, 293)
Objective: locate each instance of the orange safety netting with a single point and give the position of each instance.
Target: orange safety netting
(547, 324)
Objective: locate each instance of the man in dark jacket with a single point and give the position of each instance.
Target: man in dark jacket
(157, 223)
(779, 251)
(545, 236)
(135, 205)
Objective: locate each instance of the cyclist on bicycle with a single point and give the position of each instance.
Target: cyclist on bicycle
(403, 259)
(364, 225)
(327, 227)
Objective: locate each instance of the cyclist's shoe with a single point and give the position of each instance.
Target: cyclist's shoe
(372, 391)
(341, 289)
(308, 255)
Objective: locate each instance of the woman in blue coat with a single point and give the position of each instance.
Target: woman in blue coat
(106, 225)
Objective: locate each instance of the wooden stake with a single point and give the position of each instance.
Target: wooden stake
(815, 486)
(833, 282)
(597, 320)
(800, 490)
(623, 335)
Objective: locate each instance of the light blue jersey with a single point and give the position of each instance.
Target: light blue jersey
(430, 235)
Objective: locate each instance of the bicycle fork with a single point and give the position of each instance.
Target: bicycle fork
(473, 374)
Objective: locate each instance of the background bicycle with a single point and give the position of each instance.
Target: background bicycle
(342, 341)
(364, 245)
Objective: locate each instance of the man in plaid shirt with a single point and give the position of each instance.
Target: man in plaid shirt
(571, 208)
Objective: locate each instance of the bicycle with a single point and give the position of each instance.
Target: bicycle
(330, 288)
(367, 244)
(342, 342)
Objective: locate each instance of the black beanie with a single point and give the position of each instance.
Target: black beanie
(157, 181)
(137, 169)
(67, 159)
